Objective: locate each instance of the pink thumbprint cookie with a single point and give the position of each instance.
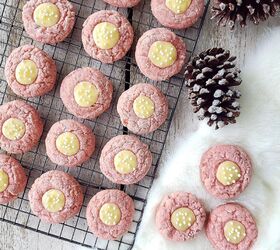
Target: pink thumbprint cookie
(21, 127)
(225, 171)
(48, 21)
(86, 93)
(55, 197)
(30, 71)
(123, 3)
(12, 179)
(160, 54)
(107, 36)
(110, 214)
(69, 143)
(125, 159)
(231, 227)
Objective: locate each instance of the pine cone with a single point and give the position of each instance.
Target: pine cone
(230, 11)
(210, 77)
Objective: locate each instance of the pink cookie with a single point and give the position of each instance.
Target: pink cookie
(123, 28)
(225, 171)
(45, 66)
(21, 127)
(125, 159)
(102, 84)
(69, 143)
(123, 3)
(50, 33)
(146, 66)
(56, 207)
(142, 116)
(180, 216)
(110, 214)
(231, 227)
(174, 20)
(13, 179)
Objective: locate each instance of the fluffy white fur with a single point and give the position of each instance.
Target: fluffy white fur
(257, 131)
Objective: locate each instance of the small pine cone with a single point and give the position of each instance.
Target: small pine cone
(210, 77)
(231, 11)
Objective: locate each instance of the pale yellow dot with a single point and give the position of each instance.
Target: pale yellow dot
(178, 6)
(85, 94)
(162, 54)
(68, 143)
(110, 214)
(182, 218)
(228, 173)
(234, 231)
(26, 72)
(143, 107)
(46, 15)
(4, 180)
(125, 162)
(106, 35)
(13, 129)
(53, 200)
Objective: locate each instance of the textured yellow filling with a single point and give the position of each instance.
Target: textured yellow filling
(13, 129)
(110, 214)
(228, 173)
(125, 162)
(234, 231)
(53, 200)
(106, 35)
(178, 6)
(85, 94)
(182, 218)
(143, 107)
(162, 54)
(46, 15)
(4, 180)
(26, 72)
(68, 143)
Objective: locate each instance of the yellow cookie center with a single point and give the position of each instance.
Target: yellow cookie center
(53, 200)
(68, 143)
(228, 173)
(143, 107)
(13, 129)
(162, 54)
(85, 94)
(106, 35)
(178, 6)
(26, 72)
(4, 180)
(110, 214)
(46, 15)
(234, 231)
(182, 218)
(125, 162)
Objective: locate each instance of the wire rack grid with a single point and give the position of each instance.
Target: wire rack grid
(70, 55)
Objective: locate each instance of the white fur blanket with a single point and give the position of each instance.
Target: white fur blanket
(257, 131)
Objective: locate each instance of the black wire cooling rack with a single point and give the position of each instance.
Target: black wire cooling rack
(70, 55)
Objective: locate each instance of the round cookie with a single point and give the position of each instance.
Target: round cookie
(225, 171)
(69, 143)
(21, 127)
(86, 93)
(110, 213)
(55, 197)
(180, 216)
(143, 108)
(160, 54)
(232, 227)
(107, 36)
(177, 14)
(125, 159)
(12, 179)
(123, 3)
(30, 71)
(48, 21)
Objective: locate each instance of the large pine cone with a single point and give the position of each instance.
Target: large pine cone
(210, 77)
(231, 11)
